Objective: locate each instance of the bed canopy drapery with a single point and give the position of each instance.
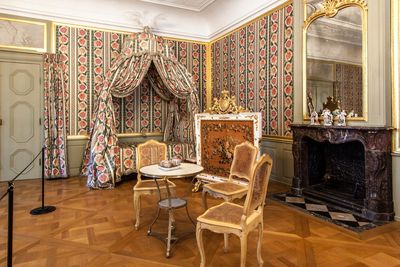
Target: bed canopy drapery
(143, 54)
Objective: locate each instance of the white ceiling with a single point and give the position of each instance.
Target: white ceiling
(194, 5)
(201, 20)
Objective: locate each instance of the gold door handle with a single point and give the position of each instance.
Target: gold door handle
(1, 122)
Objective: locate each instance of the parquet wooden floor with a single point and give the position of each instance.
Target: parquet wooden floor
(95, 228)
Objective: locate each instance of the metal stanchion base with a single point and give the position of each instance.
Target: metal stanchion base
(43, 210)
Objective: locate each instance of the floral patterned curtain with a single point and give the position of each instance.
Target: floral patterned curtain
(55, 153)
(127, 74)
(179, 82)
(143, 54)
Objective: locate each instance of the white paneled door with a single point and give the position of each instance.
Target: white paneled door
(20, 112)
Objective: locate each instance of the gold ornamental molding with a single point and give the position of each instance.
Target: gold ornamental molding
(208, 75)
(395, 43)
(120, 135)
(331, 7)
(225, 105)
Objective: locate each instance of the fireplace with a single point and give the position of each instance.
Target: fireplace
(349, 167)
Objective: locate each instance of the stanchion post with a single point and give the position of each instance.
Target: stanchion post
(43, 209)
(10, 223)
(43, 177)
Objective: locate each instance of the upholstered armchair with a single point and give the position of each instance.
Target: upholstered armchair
(148, 153)
(230, 218)
(244, 157)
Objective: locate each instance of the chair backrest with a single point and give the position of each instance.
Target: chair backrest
(244, 158)
(258, 185)
(150, 152)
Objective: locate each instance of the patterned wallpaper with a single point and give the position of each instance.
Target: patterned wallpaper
(255, 63)
(88, 53)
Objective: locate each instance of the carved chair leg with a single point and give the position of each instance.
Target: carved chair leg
(136, 204)
(196, 186)
(260, 236)
(243, 249)
(199, 238)
(204, 198)
(226, 242)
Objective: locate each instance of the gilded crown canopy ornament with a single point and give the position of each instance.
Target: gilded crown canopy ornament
(225, 104)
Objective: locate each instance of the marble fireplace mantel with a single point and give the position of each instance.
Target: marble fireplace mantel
(377, 204)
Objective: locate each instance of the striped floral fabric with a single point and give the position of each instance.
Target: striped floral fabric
(140, 53)
(255, 63)
(55, 152)
(89, 53)
(126, 163)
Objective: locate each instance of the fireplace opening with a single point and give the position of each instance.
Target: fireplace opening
(336, 172)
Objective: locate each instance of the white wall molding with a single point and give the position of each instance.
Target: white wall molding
(216, 19)
(192, 5)
(99, 23)
(258, 11)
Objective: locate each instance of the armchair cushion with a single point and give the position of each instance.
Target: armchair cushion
(227, 213)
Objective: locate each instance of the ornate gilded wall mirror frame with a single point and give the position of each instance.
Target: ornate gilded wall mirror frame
(395, 43)
(335, 56)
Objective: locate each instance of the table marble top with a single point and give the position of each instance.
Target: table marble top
(185, 170)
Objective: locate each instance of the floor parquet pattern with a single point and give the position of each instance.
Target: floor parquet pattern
(96, 228)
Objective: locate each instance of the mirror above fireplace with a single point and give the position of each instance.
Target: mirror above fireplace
(334, 56)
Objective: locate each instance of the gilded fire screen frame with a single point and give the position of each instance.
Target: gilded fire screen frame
(205, 123)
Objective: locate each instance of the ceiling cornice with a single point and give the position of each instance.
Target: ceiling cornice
(171, 4)
(238, 23)
(100, 24)
(126, 27)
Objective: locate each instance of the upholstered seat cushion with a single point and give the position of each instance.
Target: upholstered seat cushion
(226, 188)
(227, 213)
(146, 184)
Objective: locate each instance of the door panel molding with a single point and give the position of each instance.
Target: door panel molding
(20, 87)
(14, 78)
(27, 119)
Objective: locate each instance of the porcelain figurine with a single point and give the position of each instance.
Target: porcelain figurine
(314, 118)
(342, 118)
(336, 112)
(328, 118)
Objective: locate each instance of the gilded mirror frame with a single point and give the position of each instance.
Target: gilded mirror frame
(330, 9)
(395, 55)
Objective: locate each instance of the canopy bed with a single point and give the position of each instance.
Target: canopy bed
(145, 57)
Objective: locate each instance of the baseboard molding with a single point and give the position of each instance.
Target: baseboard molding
(74, 172)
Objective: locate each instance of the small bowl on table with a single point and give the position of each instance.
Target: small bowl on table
(176, 161)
